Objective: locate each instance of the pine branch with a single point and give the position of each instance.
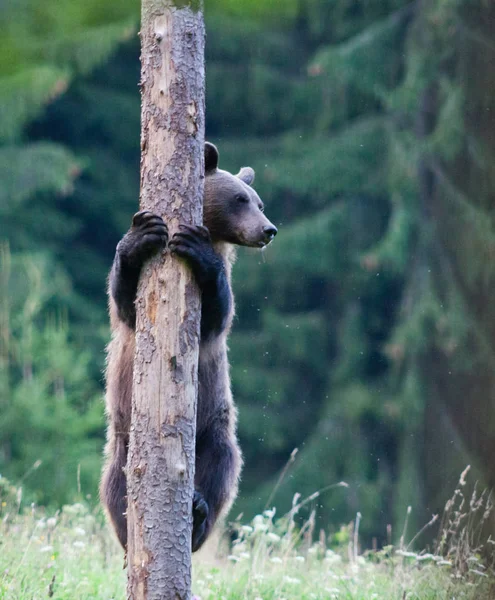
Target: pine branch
(24, 95)
(37, 167)
(476, 36)
(362, 60)
(84, 50)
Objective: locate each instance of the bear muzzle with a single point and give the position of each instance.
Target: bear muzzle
(270, 231)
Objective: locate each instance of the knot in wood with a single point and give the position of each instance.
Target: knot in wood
(170, 431)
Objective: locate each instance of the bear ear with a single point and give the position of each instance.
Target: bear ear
(211, 157)
(246, 174)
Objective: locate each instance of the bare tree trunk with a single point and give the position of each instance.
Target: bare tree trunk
(160, 467)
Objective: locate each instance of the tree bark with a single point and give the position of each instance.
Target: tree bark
(160, 467)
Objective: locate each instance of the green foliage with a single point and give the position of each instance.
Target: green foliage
(51, 413)
(253, 9)
(357, 251)
(367, 62)
(44, 47)
(51, 169)
(50, 394)
(24, 94)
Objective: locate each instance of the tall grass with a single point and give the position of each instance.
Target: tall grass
(70, 554)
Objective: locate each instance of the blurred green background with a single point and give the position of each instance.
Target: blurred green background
(365, 335)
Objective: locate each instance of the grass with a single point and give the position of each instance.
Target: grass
(72, 555)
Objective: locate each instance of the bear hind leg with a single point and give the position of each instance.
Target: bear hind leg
(113, 490)
(218, 463)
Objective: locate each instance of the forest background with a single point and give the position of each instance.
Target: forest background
(365, 334)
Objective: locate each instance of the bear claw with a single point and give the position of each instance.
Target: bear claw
(147, 236)
(193, 244)
(200, 230)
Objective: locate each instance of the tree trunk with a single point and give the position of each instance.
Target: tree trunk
(160, 468)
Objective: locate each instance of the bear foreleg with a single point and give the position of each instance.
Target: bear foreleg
(147, 236)
(193, 243)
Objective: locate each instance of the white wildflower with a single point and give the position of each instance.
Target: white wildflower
(332, 558)
(79, 544)
(51, 522)
(233, 558)
(46, 549)
(300, 559)
(79, 531)
(270, 513)
(238, 548)
(425, 557)
(477, 572)
(247, 529)
(276, 560)
(75, 509)
(244, 555)
(407, 554)
(259, 523)
(291, 580)
(273, 537)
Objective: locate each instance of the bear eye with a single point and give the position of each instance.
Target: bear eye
(241, 198)
(261, 207)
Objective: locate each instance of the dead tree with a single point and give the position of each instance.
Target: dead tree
(160, 467)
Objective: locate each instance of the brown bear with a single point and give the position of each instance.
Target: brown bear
(233, 215)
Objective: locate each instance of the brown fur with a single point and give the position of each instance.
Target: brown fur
(218, 457)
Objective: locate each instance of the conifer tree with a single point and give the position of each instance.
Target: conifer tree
(51, 414)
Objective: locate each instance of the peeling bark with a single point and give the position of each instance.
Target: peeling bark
(160, 467)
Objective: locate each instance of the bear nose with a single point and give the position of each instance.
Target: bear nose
(270, 231)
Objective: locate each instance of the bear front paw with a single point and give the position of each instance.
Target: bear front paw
(193, 244)
(147, 236)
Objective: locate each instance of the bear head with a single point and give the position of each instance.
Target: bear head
(233, 211)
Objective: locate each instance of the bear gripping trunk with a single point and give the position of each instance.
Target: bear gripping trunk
(160, 467)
